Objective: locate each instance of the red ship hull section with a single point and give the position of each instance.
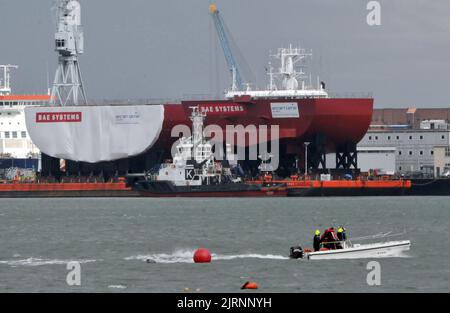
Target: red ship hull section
(339, 120)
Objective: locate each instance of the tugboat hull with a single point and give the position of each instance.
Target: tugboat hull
(168, 189)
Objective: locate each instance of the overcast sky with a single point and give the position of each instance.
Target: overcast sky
(140, 49)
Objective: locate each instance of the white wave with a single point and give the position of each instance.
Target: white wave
(401, 254)
(39, 262)
(186, 256)
(117, 286)
(178, 256)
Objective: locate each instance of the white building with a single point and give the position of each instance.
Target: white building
(381, 159)
(414, 147)
(433, 124)
(441, 160)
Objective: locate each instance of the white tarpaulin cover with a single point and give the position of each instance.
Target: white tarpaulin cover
(94, 133)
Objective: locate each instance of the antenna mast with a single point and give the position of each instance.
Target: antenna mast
(68, 86)
(5, 79)
(291, 59)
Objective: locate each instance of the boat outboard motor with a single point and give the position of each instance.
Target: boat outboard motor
(296, 253)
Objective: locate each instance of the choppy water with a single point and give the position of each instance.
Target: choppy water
(249, 239)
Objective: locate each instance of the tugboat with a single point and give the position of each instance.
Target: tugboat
(195, 172)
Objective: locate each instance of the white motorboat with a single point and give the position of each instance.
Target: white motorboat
(361, 251)
(348, 250)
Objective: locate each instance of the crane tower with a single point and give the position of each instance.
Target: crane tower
(68, 86)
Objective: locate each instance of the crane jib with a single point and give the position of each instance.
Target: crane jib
(226, 47)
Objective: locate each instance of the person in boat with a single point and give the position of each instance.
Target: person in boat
(317, 241)
(341, 234)
(330, 240)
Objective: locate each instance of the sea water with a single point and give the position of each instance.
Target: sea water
(146, 245)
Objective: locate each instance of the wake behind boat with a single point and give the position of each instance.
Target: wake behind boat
(339, 247)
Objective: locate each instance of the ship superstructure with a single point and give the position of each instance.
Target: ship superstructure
(290, 81)
(194, 163)
(16, 147)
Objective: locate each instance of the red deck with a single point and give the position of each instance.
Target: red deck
(25, 98)
(20, 187)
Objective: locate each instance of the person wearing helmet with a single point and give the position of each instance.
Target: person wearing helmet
(317, 241)
(342, 236)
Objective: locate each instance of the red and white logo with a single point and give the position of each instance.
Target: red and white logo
(58, 117)
(222, 109)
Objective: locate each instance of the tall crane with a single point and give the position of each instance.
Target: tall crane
(219, 23)
(69, 44)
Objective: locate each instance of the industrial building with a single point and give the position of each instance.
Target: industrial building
(409, 116)
(420, 137)
(415, 147)
(381, 159)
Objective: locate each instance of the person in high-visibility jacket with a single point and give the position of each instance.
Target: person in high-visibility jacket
(342, 236)
(317, 240)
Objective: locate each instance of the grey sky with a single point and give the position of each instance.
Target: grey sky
(140, 49)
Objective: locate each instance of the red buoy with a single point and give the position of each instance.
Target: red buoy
(202, 255)
(250, 285)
